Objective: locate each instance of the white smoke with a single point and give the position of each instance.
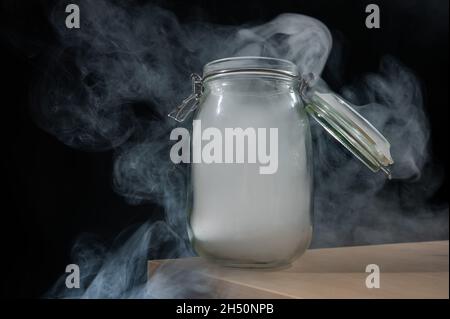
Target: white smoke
(352, 204)
(111, 83)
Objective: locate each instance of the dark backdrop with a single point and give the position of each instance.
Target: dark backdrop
(52, 193)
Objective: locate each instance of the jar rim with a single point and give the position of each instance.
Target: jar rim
(250, 64)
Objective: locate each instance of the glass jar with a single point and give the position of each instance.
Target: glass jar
(251, 172)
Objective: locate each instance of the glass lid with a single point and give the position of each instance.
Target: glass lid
(353, 131)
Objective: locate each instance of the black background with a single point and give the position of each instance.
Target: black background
(53, 193)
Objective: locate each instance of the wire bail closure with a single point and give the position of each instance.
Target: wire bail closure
(305, 84)
(190, 103)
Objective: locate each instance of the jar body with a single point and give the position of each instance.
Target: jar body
(240, 216)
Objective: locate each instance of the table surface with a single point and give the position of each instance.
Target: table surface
(407, 270)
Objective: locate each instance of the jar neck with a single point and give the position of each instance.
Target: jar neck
(249, 82)
(255, 75)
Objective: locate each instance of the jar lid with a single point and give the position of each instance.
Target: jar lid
(353, 131)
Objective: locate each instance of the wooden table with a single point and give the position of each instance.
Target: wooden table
(407, 270)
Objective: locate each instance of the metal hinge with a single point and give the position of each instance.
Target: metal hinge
(191, 102)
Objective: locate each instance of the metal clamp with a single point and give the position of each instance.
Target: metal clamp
(189, 104)
(305, 83)
(182, 111)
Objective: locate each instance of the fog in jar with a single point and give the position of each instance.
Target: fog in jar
(239, 216)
